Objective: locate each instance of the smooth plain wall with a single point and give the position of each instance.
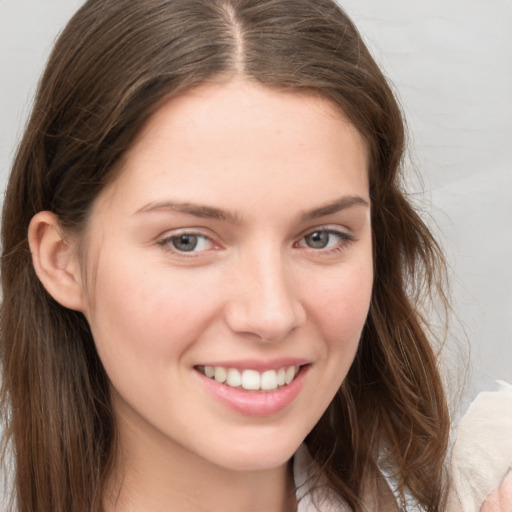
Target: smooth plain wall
(451, 64)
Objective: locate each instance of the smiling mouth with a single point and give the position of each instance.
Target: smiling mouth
(251, 380)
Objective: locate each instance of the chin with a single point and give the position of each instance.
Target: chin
(255, 454)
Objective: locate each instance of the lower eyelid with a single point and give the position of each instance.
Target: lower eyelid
(343, 243)
(343, 236)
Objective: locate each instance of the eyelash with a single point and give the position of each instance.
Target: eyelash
(345, 239)
(167, 243)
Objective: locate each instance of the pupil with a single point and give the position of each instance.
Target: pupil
(185, 243)
(318, 239)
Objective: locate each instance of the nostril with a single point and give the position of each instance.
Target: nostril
(265, 324)
(264, 301)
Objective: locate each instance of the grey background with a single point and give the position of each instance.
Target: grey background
(451, 64)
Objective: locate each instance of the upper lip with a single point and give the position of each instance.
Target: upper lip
(258, 364)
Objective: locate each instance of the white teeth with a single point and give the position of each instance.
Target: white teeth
(269, 380)
(252, 379)
(281, 376)
(234, 378)
(290, 374)
(220, 374)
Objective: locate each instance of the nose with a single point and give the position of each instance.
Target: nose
(264, 301)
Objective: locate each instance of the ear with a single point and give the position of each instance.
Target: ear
(55, 261)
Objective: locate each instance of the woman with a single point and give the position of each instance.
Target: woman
(218, 303)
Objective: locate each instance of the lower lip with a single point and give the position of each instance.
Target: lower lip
(256, 403)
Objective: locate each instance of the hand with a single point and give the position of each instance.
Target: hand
(501, 499)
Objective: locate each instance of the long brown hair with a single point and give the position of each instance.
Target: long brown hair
(111, 68)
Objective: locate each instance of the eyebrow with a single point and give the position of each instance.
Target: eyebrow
(210, 212)
(197, 210)
(334, 207)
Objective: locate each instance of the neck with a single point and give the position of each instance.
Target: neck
(153, 474)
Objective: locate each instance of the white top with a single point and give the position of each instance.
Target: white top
(481, 458)
(482, 453)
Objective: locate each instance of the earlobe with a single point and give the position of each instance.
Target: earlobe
(55, 260)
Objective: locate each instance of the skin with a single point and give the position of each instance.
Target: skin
(253, 289)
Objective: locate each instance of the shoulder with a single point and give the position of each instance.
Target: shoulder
(482, 452)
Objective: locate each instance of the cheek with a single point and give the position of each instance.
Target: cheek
(338, 308)
(143, 317)
(341, 305)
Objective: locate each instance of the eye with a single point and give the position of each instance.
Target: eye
(187, 243)
(322, 239)
(318, 239)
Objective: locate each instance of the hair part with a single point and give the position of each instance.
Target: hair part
(112, 67)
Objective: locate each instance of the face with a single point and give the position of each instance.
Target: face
(231, 272)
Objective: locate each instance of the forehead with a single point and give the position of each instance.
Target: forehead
(222, 140)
